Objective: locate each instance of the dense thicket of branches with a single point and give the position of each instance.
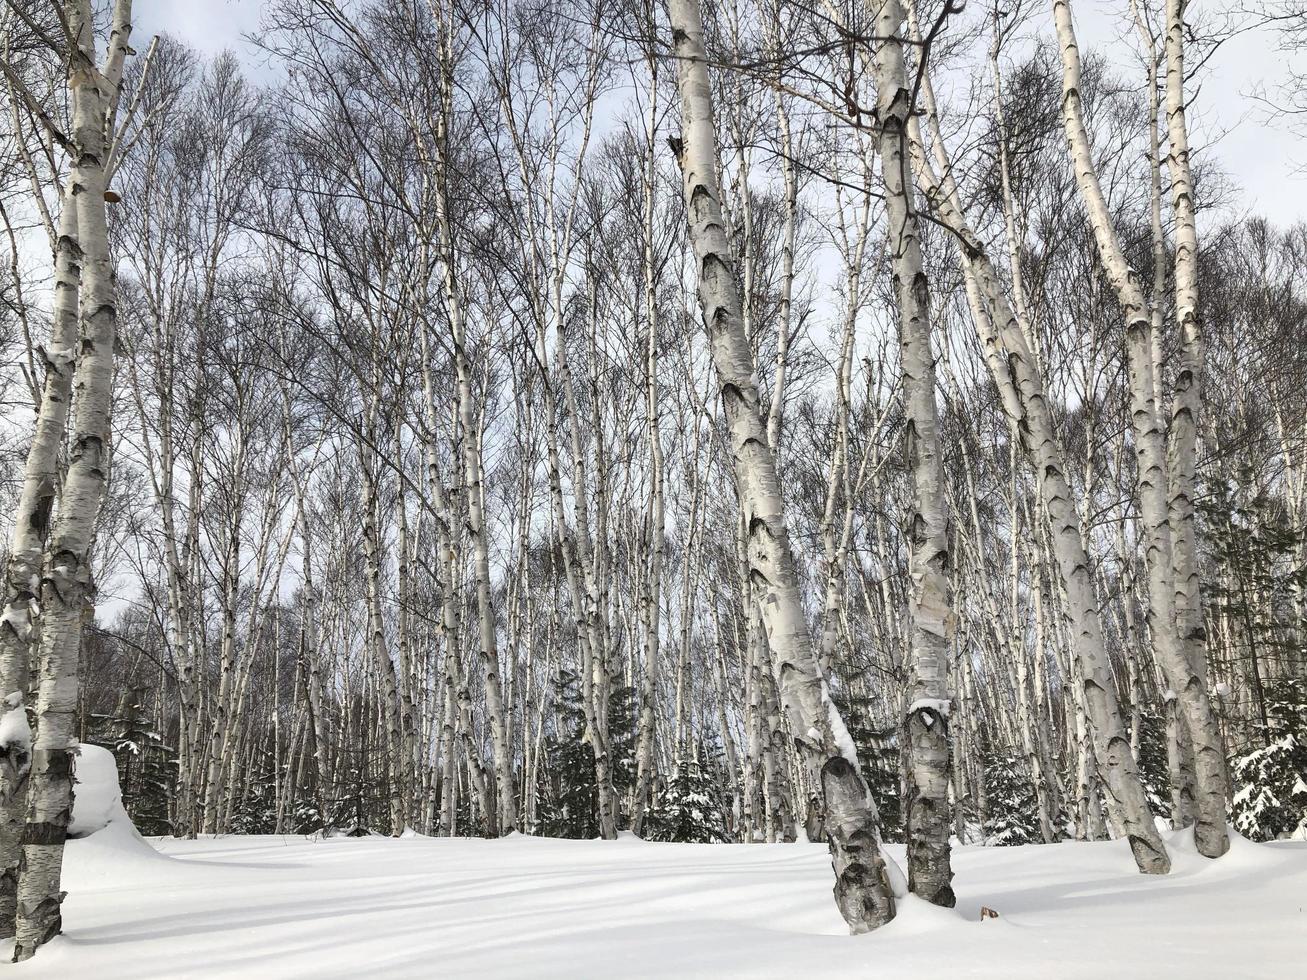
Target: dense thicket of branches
(422, 511)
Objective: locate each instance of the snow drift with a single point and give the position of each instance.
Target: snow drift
(525, 906)
(101, 834)
(97, 798)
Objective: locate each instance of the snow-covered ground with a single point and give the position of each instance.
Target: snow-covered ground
(291, 907)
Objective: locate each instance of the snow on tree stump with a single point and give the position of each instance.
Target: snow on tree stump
(97, 797)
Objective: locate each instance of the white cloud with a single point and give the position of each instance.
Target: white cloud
(207, 25)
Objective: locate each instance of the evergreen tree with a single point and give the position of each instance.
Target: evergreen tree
(1013, 816)
(690, 809)
(1153, 765)
(255, 809)
(623, 736)
(306, 817)
(568, 796)
(147, 773)
(1255, 545)
(878, 753)
(1270, 782)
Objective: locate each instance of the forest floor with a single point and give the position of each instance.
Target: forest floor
(523, 907)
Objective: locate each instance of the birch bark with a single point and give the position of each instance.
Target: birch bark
(925, 722)
(474, 505)
(862, 889)
(66, 585)
(1212, 783)
(1020, 385)
(379, 654)
(1150, 405)
(1178, 667)
(27, 550)
(652, 598)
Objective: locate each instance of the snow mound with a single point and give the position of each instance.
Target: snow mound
(97, 798)
(1244, 854)
(101, 834)
(14, 730)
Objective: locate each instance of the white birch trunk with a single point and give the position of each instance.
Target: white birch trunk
(310, 654)
(1160, 609)
(1211, 783)
(1013, 367)
(925, 722)
(379, 654)
(862, 889)
(652, 598)
(67, 583)
(474, 512)
(1150, 442)
(27, 550)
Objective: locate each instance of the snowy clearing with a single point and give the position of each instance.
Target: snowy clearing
(296, 907)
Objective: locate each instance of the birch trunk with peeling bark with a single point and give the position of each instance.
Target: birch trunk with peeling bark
(474, 504)
(925, 721)
(1150, 441)
(67, 583)
(27, 551)
(1016, 374)
(862, 889)
(1211, 778)
(1149, 406)
(474, 513)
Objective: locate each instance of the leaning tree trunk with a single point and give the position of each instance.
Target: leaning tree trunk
(862, 887)
(26, 550)
(1154, 503)
(925, 723)
(67, 584)
(1211, 784)
(1178, 669)
(1017, 376)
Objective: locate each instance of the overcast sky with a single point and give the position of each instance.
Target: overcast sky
(1262, 158)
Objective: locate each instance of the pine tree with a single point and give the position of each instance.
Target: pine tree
(623, 735)
(306, 817)
(1270, 782)
(1153, 770)
(1256, 547)
(147, 765)
(567, 780)
(690, 809)
(1013, 816)
(568, 794)
(255, 811)
(878, 752)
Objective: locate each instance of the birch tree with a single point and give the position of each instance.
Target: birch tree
(862, 890)
(66, 579)
(1150, 442)
(1209, 751)
(26, 556)
(925, 722)
(1016, 374)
